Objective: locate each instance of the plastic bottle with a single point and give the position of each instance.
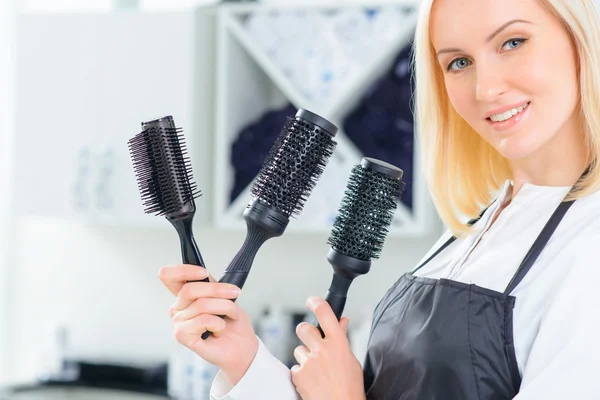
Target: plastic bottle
(58, 364)
(203, 376)
(179, 374)
(275, 332)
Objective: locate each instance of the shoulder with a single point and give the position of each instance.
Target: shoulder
(573, 251)
(579, 231)
(586, 210)
(577, 247)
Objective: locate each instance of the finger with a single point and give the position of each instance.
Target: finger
(309, 335)
(209, 306)
(190, 332)
(192, 291)
(298, 380)
(344, 321)
(294, 371)
(301, 354)
(174, 277)
(325, 315)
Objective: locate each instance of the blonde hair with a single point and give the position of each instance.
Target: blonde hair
(462, 182)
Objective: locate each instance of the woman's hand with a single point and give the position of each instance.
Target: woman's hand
(233, 343)
(327, 370)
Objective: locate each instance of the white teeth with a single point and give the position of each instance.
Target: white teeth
(508, 114)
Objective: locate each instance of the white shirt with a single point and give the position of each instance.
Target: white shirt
(556, 321)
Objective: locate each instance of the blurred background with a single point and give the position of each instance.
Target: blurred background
(82, 311)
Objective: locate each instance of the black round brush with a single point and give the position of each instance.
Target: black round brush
(291, 170)
(165, 182)
(361, 226)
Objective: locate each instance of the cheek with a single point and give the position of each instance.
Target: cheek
(551, 73)
(535, 76)
(457, 94)
(462, 98)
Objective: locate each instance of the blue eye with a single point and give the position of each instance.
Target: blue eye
(514, 42)
(460, 63)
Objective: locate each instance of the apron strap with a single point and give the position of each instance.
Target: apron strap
(438, 251)
(539, 245)
(535, 249)
(448, 242)
(542, 239)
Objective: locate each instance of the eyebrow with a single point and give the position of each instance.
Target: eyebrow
(490, 37)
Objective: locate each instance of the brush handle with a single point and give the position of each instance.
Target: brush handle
(239, 268)
(189, 250)
(336, 297)
(345, 269)
(262, 223)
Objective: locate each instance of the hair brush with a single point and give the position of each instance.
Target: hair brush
(359, 230)
(165, 182)
(291, 170)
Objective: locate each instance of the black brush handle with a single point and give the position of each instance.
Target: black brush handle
(189, 250)
(345, 270)
(262, 224)
(239, 268)
(336, 297)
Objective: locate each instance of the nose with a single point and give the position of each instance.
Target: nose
(491, 83)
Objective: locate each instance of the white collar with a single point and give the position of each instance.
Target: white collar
(531, 193)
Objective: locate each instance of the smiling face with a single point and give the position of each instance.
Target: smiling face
(510, 71)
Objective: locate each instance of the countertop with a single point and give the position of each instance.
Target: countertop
(76, 393)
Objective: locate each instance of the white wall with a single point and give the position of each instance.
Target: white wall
(102, 281)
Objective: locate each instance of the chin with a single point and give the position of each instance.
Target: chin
(514, 149)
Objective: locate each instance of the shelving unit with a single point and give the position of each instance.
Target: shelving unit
(250, 83)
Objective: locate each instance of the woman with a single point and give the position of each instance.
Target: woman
(503, 306)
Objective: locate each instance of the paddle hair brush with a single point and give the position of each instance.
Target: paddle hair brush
(291, 170)
(164, 175)
(359, 230)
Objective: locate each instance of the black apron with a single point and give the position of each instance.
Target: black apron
(447, 340)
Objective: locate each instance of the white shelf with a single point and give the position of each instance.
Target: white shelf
(257, 54)
(350, 94)
(249, 83)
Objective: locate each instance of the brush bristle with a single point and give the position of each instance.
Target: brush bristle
(365, 214)
(293, 166)
(162, 169)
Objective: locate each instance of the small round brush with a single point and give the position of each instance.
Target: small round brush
(165, 182)
(291, 170)
(359, 231)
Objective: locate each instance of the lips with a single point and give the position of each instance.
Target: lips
(505, 109)
(506, 125)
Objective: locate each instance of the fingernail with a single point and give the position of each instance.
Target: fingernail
(202, 273)
(234, 290)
